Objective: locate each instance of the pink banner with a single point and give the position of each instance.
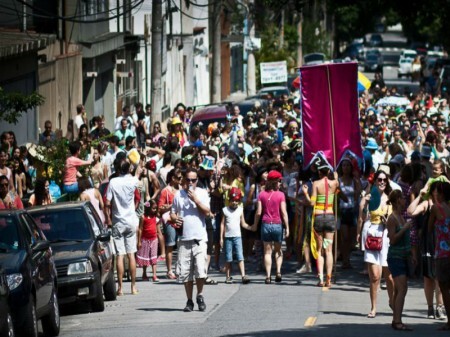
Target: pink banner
(330, 118)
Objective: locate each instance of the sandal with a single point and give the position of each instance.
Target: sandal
(372, 314)
(171, 275)
(400, 326)
(209, 280)
(268, 280)
(320, 284)
(229, 280)
(278, 278)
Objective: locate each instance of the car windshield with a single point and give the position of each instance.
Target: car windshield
(372, 57)
(9, 237)
(409, 55)
(64, 225)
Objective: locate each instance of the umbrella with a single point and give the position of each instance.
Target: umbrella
(363, 82)
(393, 101)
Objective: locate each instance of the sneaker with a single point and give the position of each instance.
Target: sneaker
(189, 306)
(304, 269)
(430, 313)
(201, 303)
(440, 312)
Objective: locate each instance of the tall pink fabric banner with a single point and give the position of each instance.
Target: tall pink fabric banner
(330, 118)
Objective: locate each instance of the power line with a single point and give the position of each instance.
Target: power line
(188, 15)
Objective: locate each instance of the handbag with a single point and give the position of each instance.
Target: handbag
(373, 242)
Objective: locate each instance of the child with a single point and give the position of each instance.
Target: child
(230, 233)
(149, 229)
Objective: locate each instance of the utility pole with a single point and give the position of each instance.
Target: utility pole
(299, 39)
(216, 52)
(157, 23)
(251, 64)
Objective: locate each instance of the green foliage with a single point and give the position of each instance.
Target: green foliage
(314, 39)
(54, 158)
(14, 104)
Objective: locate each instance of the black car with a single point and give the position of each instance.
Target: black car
(82, 250)
(27, 259)
(373, 61)
(6, 323)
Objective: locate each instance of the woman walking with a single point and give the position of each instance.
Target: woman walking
(377, 258)
(323, 198)
(272, 208)
(399, 255)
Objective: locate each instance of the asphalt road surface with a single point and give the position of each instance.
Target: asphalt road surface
(295, 307)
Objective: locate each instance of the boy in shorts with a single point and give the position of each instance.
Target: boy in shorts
(230, 234)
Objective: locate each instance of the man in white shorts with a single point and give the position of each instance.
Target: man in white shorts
(120, 197)
(189, 209)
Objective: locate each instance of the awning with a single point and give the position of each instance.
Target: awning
(102, 44)
(13, 43)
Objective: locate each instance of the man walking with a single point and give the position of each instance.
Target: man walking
(189, 209)
(122, 216)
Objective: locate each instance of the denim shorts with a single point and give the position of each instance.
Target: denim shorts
(71, 189)
(233, 246)
(271, 232)
(170, 235)
(398, 266)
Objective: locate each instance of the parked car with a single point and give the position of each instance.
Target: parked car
(27, 259)
(6, 322)
(373, 61)
(274, 91)
(376, 40)
(313, 59)
(355, 51)
(82, 250)
(221, 113)
(405, 62)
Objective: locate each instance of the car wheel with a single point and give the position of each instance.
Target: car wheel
(29, 325)
(98, 303)
(51, 322)
(109, 289)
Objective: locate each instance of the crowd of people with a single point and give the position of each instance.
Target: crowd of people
(241, 188)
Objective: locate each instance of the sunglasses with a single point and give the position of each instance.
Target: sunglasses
(191, 180)
(380, 180)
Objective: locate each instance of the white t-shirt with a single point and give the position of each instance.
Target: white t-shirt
(194, 226)
(79, 121)
(232, 218)
(121, 195)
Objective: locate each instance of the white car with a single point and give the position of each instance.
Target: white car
(405, 62)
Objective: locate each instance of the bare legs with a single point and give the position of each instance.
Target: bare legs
(375, 272)
(268, 257)
(400, 290)
(120, 271)
(189, 287)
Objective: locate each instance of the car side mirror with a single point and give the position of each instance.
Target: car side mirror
(40, 246)
(104, 237)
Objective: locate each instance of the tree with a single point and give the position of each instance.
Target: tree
(14, 104)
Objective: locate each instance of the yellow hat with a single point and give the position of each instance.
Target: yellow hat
(176, 120)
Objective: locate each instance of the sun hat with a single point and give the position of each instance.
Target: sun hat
(371, 144)
(176, 120)
(208, 163)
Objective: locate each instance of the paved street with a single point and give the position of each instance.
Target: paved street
(257, 309)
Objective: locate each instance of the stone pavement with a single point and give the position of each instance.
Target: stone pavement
(296, 307)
